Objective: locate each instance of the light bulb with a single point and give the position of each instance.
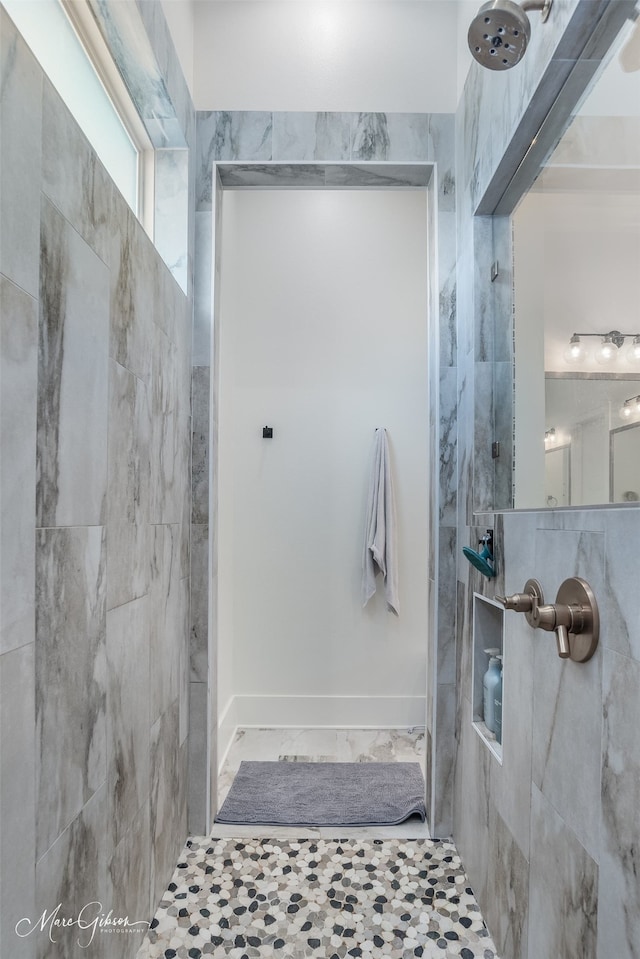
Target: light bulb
(625, 410)
(608, 352)
(633, 351)
(575, 352)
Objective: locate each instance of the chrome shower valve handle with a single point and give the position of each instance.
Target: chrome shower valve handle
(557, 619)
(526, 602)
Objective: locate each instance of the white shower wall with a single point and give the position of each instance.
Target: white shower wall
(323, 338)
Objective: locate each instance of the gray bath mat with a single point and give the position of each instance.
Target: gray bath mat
(324, 794)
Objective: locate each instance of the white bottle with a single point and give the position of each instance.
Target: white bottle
(489, 681)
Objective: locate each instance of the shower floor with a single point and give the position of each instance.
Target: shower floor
(259, 891)
(322, 745)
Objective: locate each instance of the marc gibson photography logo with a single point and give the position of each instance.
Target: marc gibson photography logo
(90, 920)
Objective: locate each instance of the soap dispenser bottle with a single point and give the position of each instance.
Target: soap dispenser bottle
(489, 681)
(497, 704)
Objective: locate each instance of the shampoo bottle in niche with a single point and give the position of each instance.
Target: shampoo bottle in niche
(497, 704)
(489, 681)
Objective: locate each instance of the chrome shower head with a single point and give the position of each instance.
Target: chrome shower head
(500, 31)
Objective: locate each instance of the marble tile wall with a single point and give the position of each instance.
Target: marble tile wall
(350, 139)
(549, 837)
(95, 560)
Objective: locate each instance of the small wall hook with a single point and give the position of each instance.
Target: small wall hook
(267, 432)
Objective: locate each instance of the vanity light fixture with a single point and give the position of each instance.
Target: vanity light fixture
(630, 409)
(608, 350)
(550, 437)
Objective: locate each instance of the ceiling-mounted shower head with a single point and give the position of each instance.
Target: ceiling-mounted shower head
(500, 31)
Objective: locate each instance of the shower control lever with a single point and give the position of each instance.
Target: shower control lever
(558, 619)
(525, 602)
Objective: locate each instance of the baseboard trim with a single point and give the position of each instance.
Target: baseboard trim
(319, 712)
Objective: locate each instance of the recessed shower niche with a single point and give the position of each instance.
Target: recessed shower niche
(488, 651)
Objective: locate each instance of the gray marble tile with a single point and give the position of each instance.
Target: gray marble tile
(18, 395)
(199, 643)
(198, 739)
(168, 800)
(502, 288)
(448, 346)
(505, 907)
(464, 653)
(229, 136)
(447, 446)
(442, 149)
(444, 229)
(17, 798)
(620, 599)
(512, 781)
(503, 434)
(70, 675)
(166, 490)
(200, 444)
(72, 176)
(129, 878)
(128, 649)
(161, 43)
(567, 696)
(169, 609)
(171, 212)
(134, 279)
(619, 887)
(464, 297)
(202, 306)
(444, 768)
(279, 176)
(370, 138)
(447, 607)
(484, 414)
(311, 136)
(374, 175)
(72, 363)
(563, 884)
(183, 682)
(75, 873)
(473, 810)
(410, 136)
(128, 488)
(483, 289)
(20, 159)
(129, 44)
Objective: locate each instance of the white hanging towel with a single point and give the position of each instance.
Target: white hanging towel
(380, 538)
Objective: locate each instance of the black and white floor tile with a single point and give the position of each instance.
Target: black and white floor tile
(318, 898)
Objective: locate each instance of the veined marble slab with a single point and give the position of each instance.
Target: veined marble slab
(72, 378)
(329, 175)
(129, 45)
(20, 158)
(70, 675)
(18, 390)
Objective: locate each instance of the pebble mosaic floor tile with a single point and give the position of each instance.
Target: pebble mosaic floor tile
(318, 898)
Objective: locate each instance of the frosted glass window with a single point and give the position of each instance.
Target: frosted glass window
(48, 31)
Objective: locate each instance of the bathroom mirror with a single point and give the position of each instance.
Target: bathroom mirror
(625, 457)
(576, 241)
